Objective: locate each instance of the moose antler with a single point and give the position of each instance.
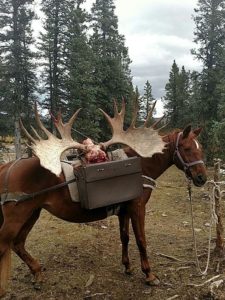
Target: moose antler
(50, 150)
(144, 140)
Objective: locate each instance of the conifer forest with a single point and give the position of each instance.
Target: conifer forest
(80, 59)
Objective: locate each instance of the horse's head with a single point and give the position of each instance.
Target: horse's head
(188, 155)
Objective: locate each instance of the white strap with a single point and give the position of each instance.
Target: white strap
(151, 186)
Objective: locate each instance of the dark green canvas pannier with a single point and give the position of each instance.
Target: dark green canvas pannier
(108, 183)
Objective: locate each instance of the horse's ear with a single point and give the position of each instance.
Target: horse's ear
(197, 131)
(186, 131)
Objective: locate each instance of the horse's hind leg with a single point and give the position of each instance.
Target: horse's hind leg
(124, 236)
(1, 216)
(5, 265)
(137, 214)
(5, 262)
(14, 218)
(19, 246)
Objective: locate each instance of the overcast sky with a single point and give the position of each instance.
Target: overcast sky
(156, 33)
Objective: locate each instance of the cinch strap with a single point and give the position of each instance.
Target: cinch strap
(152, 181)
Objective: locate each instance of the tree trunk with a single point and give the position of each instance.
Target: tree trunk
(17, 139)
(219, 226)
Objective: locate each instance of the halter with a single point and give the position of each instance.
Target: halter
(185, 165)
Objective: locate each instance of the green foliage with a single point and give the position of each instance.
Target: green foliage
(137, 103)
(147, 99)
(78, 73)
(216, 140)
(209, 36)
(177, 97)
(111, 60)
(195, 104)
(144, 103)
(80, 83)
(51, 53)
(17, 68)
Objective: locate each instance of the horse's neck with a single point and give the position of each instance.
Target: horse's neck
(160, 162)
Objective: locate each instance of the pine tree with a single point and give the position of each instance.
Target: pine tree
(138, 104)
(185, 114)
(18, 79)
(68, 69)
(51, 52)
(209, 36)
(171, 98)
(111, 70)
(147, 98)
(195, 103)
(4, 125)
(177, 97)
(80, 88)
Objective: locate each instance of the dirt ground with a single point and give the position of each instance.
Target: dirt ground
(83, 261)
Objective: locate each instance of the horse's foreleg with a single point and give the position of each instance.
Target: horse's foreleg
(138, 223)
(124, 236)
(19, 247)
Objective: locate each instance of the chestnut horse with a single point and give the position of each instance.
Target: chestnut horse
(28, 176)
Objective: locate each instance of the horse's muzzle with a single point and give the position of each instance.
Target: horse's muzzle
(199, 180)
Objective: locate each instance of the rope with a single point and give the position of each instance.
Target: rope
(216, 186)
(212, 220)
(23, 197)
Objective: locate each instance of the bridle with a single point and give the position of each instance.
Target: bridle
(185, 165)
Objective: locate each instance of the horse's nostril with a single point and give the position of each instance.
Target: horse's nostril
(201, 178)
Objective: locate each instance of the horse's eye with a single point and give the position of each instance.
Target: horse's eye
(187, 149)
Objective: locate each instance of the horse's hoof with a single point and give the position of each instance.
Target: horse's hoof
(152, 282)
(2, 293)
(38, 281)
(129, 271)
(37, 286)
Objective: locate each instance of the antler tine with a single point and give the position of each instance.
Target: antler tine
(123, 108)
(150, 114)
(49, 150)
(73, 118)
(116, 112)
(116, 123)
(65, 129)
(35, 132)
(108, 118)
(157, 122)
(145, 141)
(163, 126)
(40, 124)
(134, 117)
(26, 132)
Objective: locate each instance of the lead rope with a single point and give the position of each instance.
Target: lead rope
(193, 231)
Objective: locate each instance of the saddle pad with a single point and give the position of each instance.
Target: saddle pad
(68, 172)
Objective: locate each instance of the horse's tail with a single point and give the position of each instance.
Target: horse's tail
(5, 258)
(5, 268)
(5, 263)
(1, 216)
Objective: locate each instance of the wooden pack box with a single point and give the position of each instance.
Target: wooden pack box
(108, 183)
